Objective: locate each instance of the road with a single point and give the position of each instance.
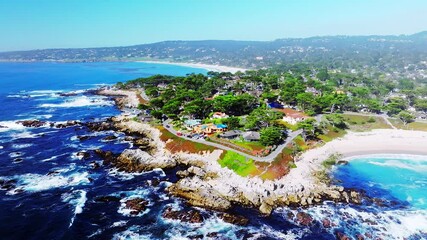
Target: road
(268, 158)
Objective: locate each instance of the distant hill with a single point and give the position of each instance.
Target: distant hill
(383, 53)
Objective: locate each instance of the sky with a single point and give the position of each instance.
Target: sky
(39, 24)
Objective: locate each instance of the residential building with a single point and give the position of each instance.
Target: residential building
(251, 136)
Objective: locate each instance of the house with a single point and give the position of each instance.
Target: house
(231, 134)
(251, 136)
(219, 115)
(191, 123)
(145, 117)
(209, 128)
(292, 116)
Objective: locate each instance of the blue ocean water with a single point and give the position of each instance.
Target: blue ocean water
(49, 193)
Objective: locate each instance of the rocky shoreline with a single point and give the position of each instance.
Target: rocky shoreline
(204, 183)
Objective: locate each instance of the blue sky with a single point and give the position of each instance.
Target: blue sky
(34, 24)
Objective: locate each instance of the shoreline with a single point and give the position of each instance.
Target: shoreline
(374, 142)
(209, 67)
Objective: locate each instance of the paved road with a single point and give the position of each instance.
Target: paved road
(268, 158)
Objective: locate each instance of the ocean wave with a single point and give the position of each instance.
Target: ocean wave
(81, 101)
(412, 166)
(21, 146)
(132, 234)
(380, 223)
(32, 182)
(76, 198)
(10, 126)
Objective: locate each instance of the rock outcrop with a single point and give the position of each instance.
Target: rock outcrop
(192, 216)
(136, 160)
(32, 123)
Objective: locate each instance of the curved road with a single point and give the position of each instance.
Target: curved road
(268, 158)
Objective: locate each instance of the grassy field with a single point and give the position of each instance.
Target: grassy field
(253, 146)
(332, 133)
(176, 144)
(420, 126)
(238, 163)
(365, 123)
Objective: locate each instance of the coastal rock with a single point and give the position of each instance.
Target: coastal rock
(83, 138)
(326, 223)
(136, 160)
(304, 219)
(143, 144)
(65, 125)
(109, 138)
(265, 209)
(83, 155)
(6, 184)
(192, 216)
(199, 193)
(32, 123)
(137, 205)
(341, 236)
(107, 156)
(234, 219)
(100, 126)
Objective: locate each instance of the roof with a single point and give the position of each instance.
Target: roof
(289, 112)
(231, 133)
(251, 135)
(221, 125)
(275, 105)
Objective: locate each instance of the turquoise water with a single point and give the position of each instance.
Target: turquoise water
(403, 177)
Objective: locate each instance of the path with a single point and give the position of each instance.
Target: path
(268, 158)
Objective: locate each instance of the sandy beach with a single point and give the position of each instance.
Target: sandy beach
(214, 68)
(378, 141)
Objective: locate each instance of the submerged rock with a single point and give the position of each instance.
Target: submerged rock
(234, 219)
(83, 155)
(192, 216)
(65, 125)
(107, 199)
(107, 156)
(137, 205)
(304, 219)
(32, 123)
(109, 138)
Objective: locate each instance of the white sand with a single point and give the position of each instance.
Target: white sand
(209, 67)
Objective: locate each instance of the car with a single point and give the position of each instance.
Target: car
(167, 126)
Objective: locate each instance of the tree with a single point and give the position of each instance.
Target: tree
(260, 118)
(337, 120)
(271, 136)
(396, 105)
(406, 117)
(323, 74)
(232, 122)
(309, 128)
(421, 105)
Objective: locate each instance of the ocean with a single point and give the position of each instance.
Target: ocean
(47, 192)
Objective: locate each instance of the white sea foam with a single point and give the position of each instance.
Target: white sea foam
(21, 146)
(76, 198)
(399, 164)
(386, 224)
(11, 126)
(35, 182)
(131, 234)
(81, 101)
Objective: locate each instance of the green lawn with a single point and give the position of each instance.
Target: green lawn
(238, 163)
(332, 134)
(248, 145)
(420, 126)
(365, 123)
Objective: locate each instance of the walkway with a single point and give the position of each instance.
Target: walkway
(268, 158)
